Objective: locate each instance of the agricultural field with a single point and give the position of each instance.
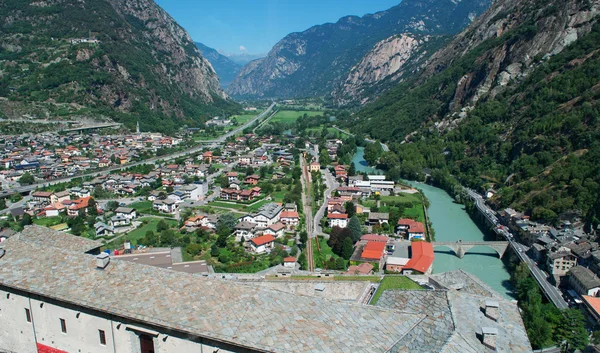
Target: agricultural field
(290, 116)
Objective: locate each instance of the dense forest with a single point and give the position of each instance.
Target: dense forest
(537, 144)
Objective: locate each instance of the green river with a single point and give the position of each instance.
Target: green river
(451, 223)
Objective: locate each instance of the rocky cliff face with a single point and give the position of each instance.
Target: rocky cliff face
(189, 69)
(127, 59)
(388, 61)
(318, 60)
(530, 33)
(500, 49)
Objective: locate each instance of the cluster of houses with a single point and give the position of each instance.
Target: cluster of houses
(235, 192)
(259, 230)
(337, 217)
(50, 155)
(569, 256)
(395, 256)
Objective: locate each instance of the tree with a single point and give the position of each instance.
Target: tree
(167, 237)
(355, 228)
(92, 208)
(347, 248)
(302, 262)
(372, 152)
(77, 225)
(112, 206)
(294, 251)
(324, 157)
(26, 179)
(572, 330)
(2, 204)
(150, 238)
(26, 220)
(303, 237)
(350, 209)
(161, 226)
(340, 264)
(352, 169)
(226, 221)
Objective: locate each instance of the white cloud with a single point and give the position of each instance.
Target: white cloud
(242, 48)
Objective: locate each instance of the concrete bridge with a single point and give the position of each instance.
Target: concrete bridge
(460, 248)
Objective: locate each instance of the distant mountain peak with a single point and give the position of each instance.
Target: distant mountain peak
(314, 62)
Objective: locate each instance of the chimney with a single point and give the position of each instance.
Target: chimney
(102, 261)
(489, 337)
(491, 309)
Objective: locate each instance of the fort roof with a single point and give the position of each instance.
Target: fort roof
(239, 314)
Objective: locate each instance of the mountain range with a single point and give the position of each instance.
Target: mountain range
(225, 68)
(320, 60)
(127, 60)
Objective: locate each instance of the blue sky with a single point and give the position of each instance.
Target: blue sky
(256, 25)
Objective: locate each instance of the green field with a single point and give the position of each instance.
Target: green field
(235, 206)
(394, 282)
(257, 205)
(414, 212)
(290, 116)
(244, 118)
(137, 234)
(142, 206)
(47, 221)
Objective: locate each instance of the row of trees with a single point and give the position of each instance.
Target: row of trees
(545, 324)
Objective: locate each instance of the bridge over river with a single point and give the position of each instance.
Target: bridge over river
(460, 247)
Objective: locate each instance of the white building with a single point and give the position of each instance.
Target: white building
(337, 220)
(166, 206)
(267, 215)
(126, 212)
(262, 244)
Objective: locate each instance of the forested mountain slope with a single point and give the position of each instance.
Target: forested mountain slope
(515, 109)
(123, 59)
(316, 61)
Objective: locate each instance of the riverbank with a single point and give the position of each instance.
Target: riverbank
(450, 222)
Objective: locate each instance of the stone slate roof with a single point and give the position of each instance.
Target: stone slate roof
(585, 277)
(453, 321)
(465, 282)
(49, 238)
(429, 335)
(240, 314)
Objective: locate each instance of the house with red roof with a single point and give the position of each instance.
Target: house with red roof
(364, 268)
(373, 251)
(289, 262)
(337, 220)
(375, 237)
(252, 179)
(275, 230)
(76, 205)
(421, 258)
(207, 157)
(410, 228)
(262, 244)
(290, 218)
